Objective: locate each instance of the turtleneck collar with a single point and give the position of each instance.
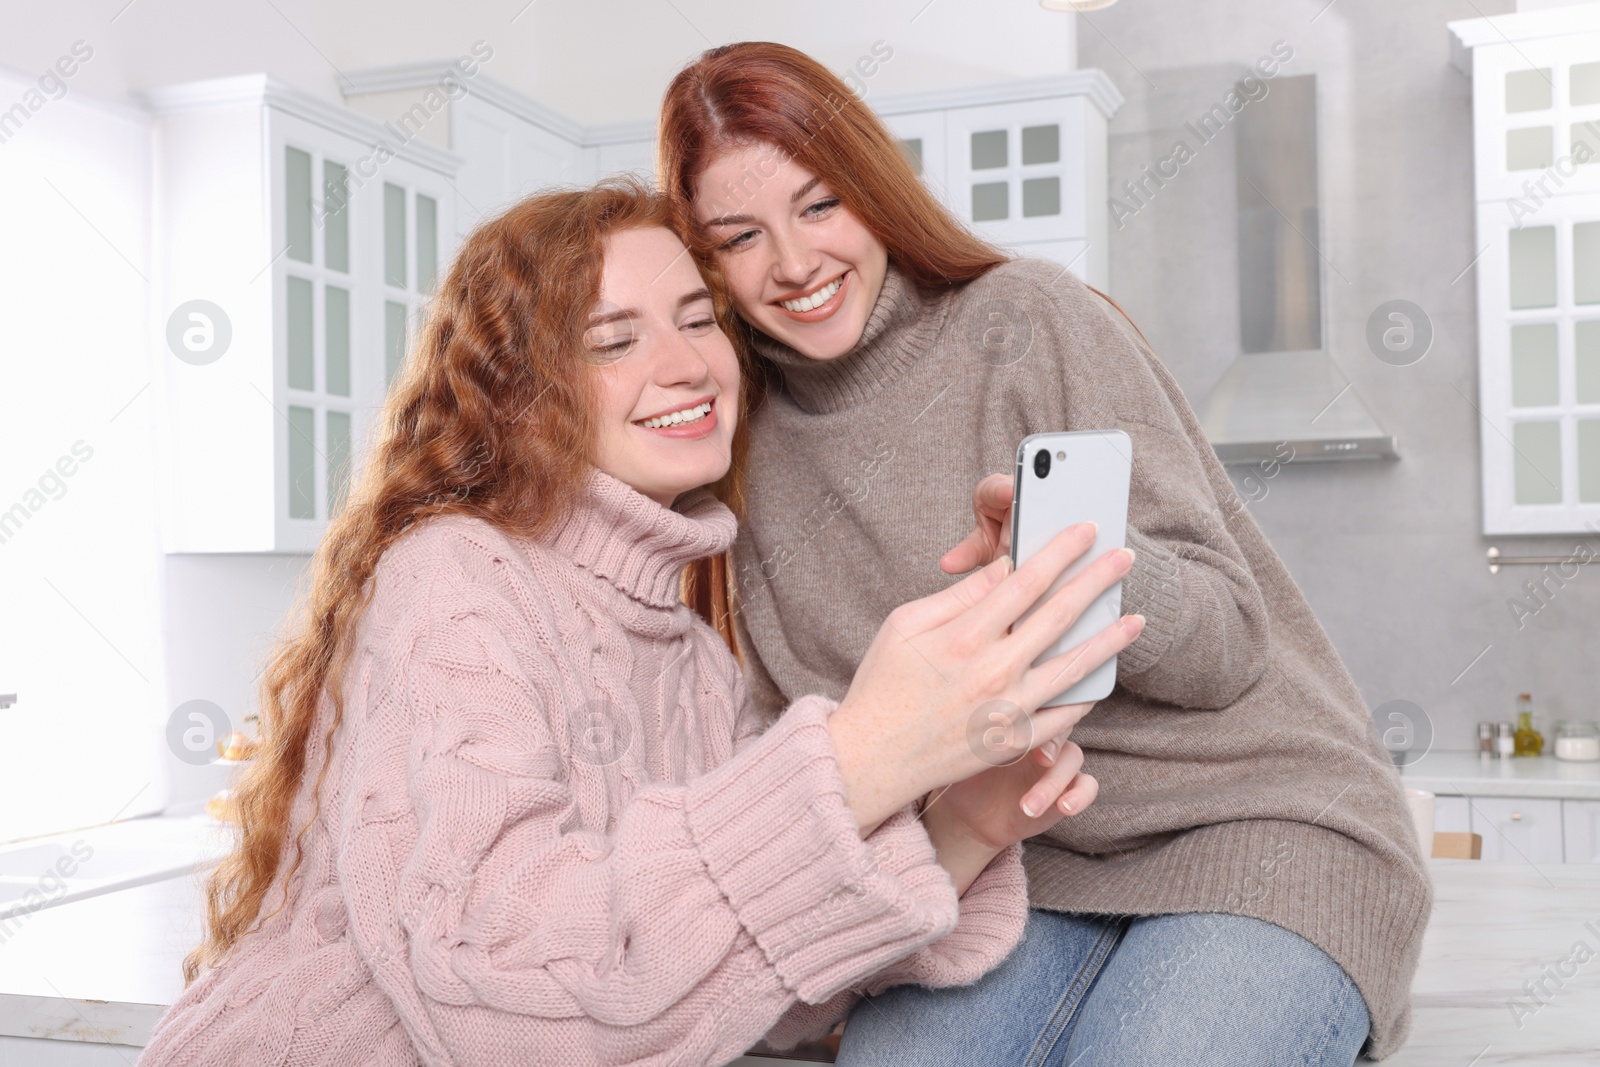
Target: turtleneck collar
(902, 325)
(636, 544)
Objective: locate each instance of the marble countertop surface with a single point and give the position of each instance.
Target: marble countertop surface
(1468, 774)
(104, 969)
(1501, 980)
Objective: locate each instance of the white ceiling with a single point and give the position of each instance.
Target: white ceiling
(596, 60)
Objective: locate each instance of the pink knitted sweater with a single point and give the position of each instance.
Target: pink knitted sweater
(553, 831)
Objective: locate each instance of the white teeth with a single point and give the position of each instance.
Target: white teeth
(816, 299)
(678, 418)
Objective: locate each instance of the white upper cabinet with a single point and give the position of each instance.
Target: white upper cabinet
(297, 245)
(510, 144)
(1536, 146)
(1023, 163)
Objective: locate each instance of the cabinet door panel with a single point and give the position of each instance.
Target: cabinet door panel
(1581, 821)
(921, 134)
(1518, 829)
(1017, 172)
(507, 158)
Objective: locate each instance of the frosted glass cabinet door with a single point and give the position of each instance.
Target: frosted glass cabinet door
(1533, 267)
(1539, 367)
(1537, 444)
(1536, 184)
(1016, 172)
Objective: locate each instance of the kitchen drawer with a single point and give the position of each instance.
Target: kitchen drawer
(1581, 820)
(1518, 829)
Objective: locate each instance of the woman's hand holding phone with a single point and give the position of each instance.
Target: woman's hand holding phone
(991, 534)
(948, 690)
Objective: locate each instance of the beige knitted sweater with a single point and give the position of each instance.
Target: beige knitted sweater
(1240, 771)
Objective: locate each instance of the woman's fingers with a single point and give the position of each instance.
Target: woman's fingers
(1056, 615)
(1053, 782)
(991, 512)
(1049, 726)
(1060, 673)
(1006, 602)
(1079, 794)
(930, 612)
(974, 549)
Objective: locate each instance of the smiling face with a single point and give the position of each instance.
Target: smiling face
(668, 378)
(801, 268)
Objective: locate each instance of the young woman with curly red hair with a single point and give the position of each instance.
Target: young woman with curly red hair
(512, 804)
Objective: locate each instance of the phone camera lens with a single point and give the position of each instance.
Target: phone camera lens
(1041, 462)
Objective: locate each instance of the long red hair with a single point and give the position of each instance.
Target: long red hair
(490, 417)
(758, 92)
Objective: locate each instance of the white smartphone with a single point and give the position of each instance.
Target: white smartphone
(1064, 479)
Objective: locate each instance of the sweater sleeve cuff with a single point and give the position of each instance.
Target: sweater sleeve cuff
(779, 839)
(1152, 588)
(994, 912)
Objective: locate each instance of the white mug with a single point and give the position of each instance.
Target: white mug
(1420, 802)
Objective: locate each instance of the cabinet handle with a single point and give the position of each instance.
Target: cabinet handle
(1516, 816)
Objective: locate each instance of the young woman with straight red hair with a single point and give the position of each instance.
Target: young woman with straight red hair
(512, 804)
(1248, 889)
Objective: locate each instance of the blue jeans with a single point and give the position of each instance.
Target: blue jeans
(1116, 991)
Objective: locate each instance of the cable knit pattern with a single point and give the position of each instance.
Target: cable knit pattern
(553, 831)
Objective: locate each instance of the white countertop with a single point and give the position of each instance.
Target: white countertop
(1468, 774)
(103, 969)
(1496, 926)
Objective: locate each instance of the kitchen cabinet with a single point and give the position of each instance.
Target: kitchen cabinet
(1580, 821)
(1518, 829)
(1541, 810)
(1536, 149)
(1023, 161)
(1023, 164)
(297, 244)
(510, 145)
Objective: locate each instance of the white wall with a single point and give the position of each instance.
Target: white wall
(79, 561)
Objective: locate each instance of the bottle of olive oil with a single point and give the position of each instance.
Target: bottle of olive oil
(1526, 741)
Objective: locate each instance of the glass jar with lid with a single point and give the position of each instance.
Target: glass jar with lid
(1577, 739)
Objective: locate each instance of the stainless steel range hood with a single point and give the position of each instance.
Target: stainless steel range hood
(1284, 392)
